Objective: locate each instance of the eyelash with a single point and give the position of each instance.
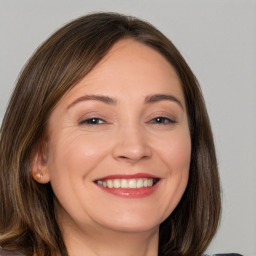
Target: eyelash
(157, 120)
(162, 120)
(93, 121)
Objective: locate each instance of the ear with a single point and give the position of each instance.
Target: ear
(38, 162)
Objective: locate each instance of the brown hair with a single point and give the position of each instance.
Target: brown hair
(27, 212)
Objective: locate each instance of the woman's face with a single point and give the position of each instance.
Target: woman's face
(123, 127)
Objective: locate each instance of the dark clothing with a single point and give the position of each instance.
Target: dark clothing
(16, 253)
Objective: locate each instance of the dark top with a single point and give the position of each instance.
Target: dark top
(10, 253)
(16, 253)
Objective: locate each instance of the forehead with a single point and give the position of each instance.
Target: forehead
(130, 67)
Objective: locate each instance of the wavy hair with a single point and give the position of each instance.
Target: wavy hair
(27, 214)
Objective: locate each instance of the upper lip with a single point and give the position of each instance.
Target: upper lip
(128, 176)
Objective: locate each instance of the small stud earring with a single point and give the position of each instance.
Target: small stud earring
(39, 176)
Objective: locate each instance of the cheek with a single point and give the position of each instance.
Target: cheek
(180, 154)
(75, 155)
(175, 152)
(177, 159)
(72, 164)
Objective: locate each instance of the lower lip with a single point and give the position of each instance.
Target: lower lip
(131, 192)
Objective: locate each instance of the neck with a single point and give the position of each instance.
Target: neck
(112, 243)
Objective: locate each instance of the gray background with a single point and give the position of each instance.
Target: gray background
(218, 40)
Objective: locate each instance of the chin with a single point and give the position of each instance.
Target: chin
(132, 224)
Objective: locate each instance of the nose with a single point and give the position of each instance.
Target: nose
(131, 145)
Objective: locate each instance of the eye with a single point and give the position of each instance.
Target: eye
(162, 120)
(93, 121)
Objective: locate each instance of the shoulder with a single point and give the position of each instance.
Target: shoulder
(10, 253)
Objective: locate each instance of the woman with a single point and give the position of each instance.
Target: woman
(106, 147)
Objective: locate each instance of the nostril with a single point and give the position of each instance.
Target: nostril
(124, 157)
(132, 158)
(132, 148)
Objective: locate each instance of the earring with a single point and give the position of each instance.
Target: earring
(39, 176)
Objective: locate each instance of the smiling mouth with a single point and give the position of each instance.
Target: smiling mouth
(134, 183)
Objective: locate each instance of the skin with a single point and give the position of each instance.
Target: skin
(127, 138)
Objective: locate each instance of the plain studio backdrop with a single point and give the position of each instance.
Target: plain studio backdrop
(217, 39)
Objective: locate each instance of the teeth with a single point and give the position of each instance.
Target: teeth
(126, 183)
(132, 183)
(150, 182)
(109, 184)
(140, 183)
(117, 183)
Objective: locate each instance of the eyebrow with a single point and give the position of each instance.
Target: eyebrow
(102, 98)
(151, 99)
(162, 97)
